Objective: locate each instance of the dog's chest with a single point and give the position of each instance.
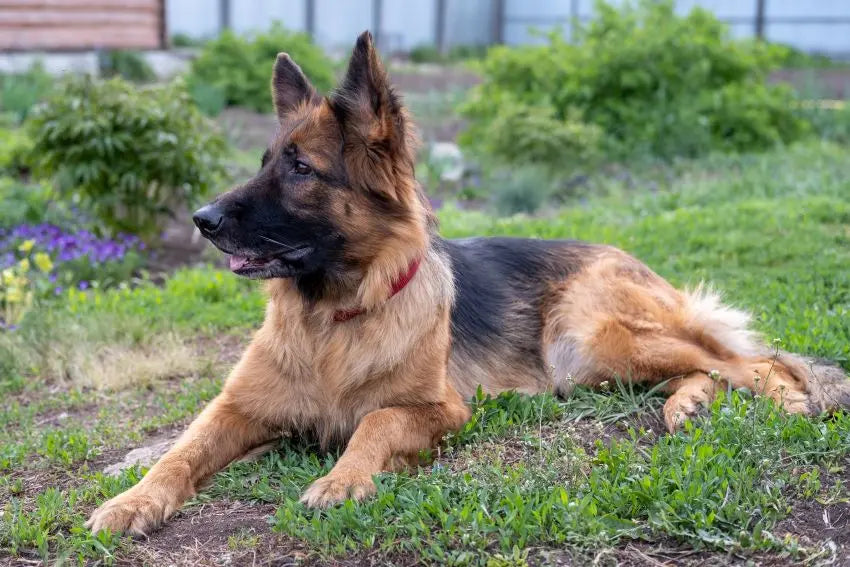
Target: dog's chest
(344, 375)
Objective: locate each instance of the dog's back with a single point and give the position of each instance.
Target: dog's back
(502, 286)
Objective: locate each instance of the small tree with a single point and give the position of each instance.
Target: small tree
(129, 155)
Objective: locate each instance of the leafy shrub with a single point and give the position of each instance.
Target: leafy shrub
(211, 99)
(640, 80)
(829, 119)
(15, 146)
(241, 67)
(129, 156)
(522, 190)
(19, 92)
(427, 53)
(185, 40)
(791, 57)
(127, 64)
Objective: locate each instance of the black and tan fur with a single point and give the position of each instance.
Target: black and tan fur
(331, 220)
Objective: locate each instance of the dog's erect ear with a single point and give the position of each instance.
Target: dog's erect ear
(365, 91)
(290, 86)
(372, 120)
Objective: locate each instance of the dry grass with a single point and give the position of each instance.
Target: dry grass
(119, 366)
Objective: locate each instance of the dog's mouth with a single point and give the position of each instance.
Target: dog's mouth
(266, 266)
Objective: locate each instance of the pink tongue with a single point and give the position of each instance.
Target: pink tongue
(237, 262)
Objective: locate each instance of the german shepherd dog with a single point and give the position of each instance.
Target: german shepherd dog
(377, 330)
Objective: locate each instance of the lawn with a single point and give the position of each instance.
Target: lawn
(92, 374)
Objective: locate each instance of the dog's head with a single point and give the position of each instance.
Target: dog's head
(336, 191)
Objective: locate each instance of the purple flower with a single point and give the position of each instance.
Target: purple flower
(58, 290)
(83, 284)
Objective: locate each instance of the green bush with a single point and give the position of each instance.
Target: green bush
(639, 81)
(126, 64)
(522, 190)
(19, 92)
(185, 40)
(15, 146)
(128, 155)
(794, 58)
(211, 99)
(425, 53)
(242, 67)
(830, 119)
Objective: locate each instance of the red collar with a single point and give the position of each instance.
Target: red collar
(399, 284)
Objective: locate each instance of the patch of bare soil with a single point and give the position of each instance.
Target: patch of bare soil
(823, 522)
(218, 533)
(656, 554)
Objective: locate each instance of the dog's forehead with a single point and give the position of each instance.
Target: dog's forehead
(314, 130)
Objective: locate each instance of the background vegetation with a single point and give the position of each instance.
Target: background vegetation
(240, 68)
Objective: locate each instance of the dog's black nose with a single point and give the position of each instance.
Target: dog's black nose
(208, 218)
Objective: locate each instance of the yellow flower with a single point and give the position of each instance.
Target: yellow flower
(43, 262)
(26, 245)
(24, 265)
(14, 295)
(8, 276)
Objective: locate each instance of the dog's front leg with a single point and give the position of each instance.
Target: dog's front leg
(382, 434)
(220, 434)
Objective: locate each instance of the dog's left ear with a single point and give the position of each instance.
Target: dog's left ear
(290, 86)
(372, 119)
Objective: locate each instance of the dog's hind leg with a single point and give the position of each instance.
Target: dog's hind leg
(618, 320)
(690, 395)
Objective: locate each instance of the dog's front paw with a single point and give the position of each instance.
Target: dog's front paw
(134, 513)
(338, 486)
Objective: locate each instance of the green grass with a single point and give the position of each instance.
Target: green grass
(526, 474)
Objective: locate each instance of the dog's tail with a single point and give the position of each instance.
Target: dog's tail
(705, 312)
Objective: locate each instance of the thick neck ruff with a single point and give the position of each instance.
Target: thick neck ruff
(399, 284)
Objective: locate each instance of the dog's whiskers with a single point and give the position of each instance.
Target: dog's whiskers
(273, 241)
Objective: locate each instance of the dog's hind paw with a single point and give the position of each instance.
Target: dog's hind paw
(336, 487)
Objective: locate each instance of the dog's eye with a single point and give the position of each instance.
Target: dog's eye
(301, 168)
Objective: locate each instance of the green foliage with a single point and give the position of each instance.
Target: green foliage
(191, 301)
(639, 81)
(428, 53)
(19, 92)
(829, 119)
(211, 99)
(425, 53)
(718, 485)
(794, 58)
(242, 67)
(522, 190)
(127, 64)
(129, 155)
(15, 147)
(185, 40)
(53, 530)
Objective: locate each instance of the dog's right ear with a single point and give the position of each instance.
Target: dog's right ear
(290, 86)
